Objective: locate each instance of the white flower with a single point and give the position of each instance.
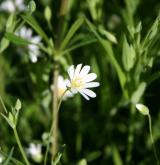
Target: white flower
(1, 159)
(142, 109)
(80, 81)
(35, 151)
(62, 88)
(33, 50)
(12, 5)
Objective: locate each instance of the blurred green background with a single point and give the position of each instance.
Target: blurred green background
(95, 130)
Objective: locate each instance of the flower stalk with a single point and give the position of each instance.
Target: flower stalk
(55, 112)
(62, 13)
(20, 146)
(152, 140)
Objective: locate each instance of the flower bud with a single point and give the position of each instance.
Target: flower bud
(48, 13)
(142, 109)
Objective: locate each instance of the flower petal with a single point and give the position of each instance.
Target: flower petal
(91, 85)
(71, 72)
(89, 93)
(90, 77)
(85, 70)
(84, 95)
(77, 70)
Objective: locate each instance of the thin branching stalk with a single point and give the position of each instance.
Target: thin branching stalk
(62, 13)
(55, 113)
(130, 135)
(52, 128)
(152, 140)
(3, 105)
(20, 147)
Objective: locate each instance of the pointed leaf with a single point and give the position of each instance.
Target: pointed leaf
(138, 93)
(9, 157)
(18, 105)
(76, 25)
(8, 121)
(109, 50)
(34, 24)
(4, 44)
(128, 55)
(16, 39)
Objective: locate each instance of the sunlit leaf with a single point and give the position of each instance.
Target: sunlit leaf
(16, 39)
(76, 25)
(34, 24)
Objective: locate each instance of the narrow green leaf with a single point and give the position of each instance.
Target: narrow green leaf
(9, 157)
(76, 25)
(108, 49)
(34, 24)
(153, 77)
(138, 93)
(17, 162)
(8, 120)
(116, 156)
(3, 105)
(57, 159)
(151, 32)
(4, 44)
(80, 44)
(93, 155)
(10, 23)
(108, 35)
(16, 39)
(128, 55)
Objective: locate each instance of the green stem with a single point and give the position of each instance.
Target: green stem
(55, 113)
(20, 147)
(130, 135)
(152, 140)
(51, 130)
(3, 105)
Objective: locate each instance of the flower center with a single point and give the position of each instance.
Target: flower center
(77, 82)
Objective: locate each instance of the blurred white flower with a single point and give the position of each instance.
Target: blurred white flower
(12, 5)
(1, 158)
(80, 81)
(142, 109)
(62, 88)
(35, 152)
(33, 50)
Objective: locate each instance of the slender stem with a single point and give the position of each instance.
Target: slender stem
(62, 13)
(20, 147)
(152, 140)
(3, 105)
(51, 130)
(55, 113)
(130, 135)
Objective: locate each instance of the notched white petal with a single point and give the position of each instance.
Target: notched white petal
(71, 72)
(90, 77)
(92, 85)
(85, 70)
(84, 95)
(77, 69)
(89, 93)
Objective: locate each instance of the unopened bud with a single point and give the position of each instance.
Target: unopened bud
(142, 109)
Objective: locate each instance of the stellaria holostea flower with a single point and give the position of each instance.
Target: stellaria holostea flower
(33, 50)
(80, 80)
(62, 88)
(35, 152)
(12, 5)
